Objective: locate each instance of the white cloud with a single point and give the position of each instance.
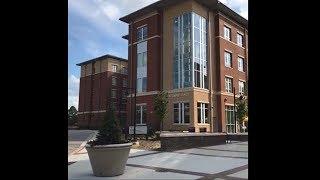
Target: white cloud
(239, 6)
(73, 91)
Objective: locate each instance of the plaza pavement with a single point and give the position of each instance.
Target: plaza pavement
(228, 161)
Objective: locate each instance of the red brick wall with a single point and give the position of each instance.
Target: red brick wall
(101, 85)
(151, 117)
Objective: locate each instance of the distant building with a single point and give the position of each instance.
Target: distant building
(103, 83)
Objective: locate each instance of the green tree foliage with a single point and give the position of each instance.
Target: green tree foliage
(160, 108)
(72, 115)
(242, 109)
(110, 132)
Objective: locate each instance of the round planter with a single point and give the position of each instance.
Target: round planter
(108, 160)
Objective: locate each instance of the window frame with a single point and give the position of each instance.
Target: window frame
(231, 82)
(114, 68)
(181, 113)
(225, 58)
(224, 32)
(241, 58)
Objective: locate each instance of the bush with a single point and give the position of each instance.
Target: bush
(110, 132)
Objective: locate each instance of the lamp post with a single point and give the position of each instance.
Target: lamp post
(134, 109)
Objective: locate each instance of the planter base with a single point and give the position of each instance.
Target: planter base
(108, 160)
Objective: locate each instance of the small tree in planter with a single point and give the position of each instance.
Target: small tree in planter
(161, 102)
(108, 153)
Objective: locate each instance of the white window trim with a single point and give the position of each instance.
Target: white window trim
(141, 111)
(239, 57)
(228, 76)
(230, 52)
(181, 108)
(142, 34)
(114, 65)
(239, 85)
(241, 33)
(202, 111)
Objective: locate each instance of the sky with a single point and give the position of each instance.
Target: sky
(94, 29)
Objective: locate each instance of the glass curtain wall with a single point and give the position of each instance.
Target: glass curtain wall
(190, 51)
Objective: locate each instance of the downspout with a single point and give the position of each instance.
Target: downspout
(209, 70)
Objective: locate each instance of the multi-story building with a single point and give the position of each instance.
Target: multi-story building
(103, 83)
(196, 50)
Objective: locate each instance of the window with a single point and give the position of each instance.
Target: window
(142, 84)
(227, 59)
(227, 33)
(113, 105)
(240, 64)
(142, 33)
(181, 113)
(241, 87)
(239, 39)
(124, 70)
(190, 68)
(123, 105)
(142, 67)
(141, 114)
(228, 84)
(113, 93)
(124, 83)
(114, 68)
(229, 115)
(114, 80)
(202, 113)
(124, 94)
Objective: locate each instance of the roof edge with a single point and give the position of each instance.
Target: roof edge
(100, 58)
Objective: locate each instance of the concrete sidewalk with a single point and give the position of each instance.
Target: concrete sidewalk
(229, 161)
(77, 139)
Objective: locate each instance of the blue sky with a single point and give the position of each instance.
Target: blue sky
(94, 29)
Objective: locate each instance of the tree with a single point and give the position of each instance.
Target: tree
(72, 115)
(161, 102)
(110, 132)
(242, 109)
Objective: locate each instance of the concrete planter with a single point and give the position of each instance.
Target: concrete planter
(108, 160)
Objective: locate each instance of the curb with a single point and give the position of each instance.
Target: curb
(94, 133)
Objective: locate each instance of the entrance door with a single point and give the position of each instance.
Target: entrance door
(229, 116)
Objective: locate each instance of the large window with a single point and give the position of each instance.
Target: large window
(227, 59)
(141, 115)
(239, 39)
(142, 67)
(240, 64)
(241, 87)
(228, 84)
(227, 33)
(229, 115)
(142, 33)
(190, 51)
(202, 113)
(181, 113)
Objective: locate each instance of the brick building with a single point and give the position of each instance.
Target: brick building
(196, 50)
(103, 83)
